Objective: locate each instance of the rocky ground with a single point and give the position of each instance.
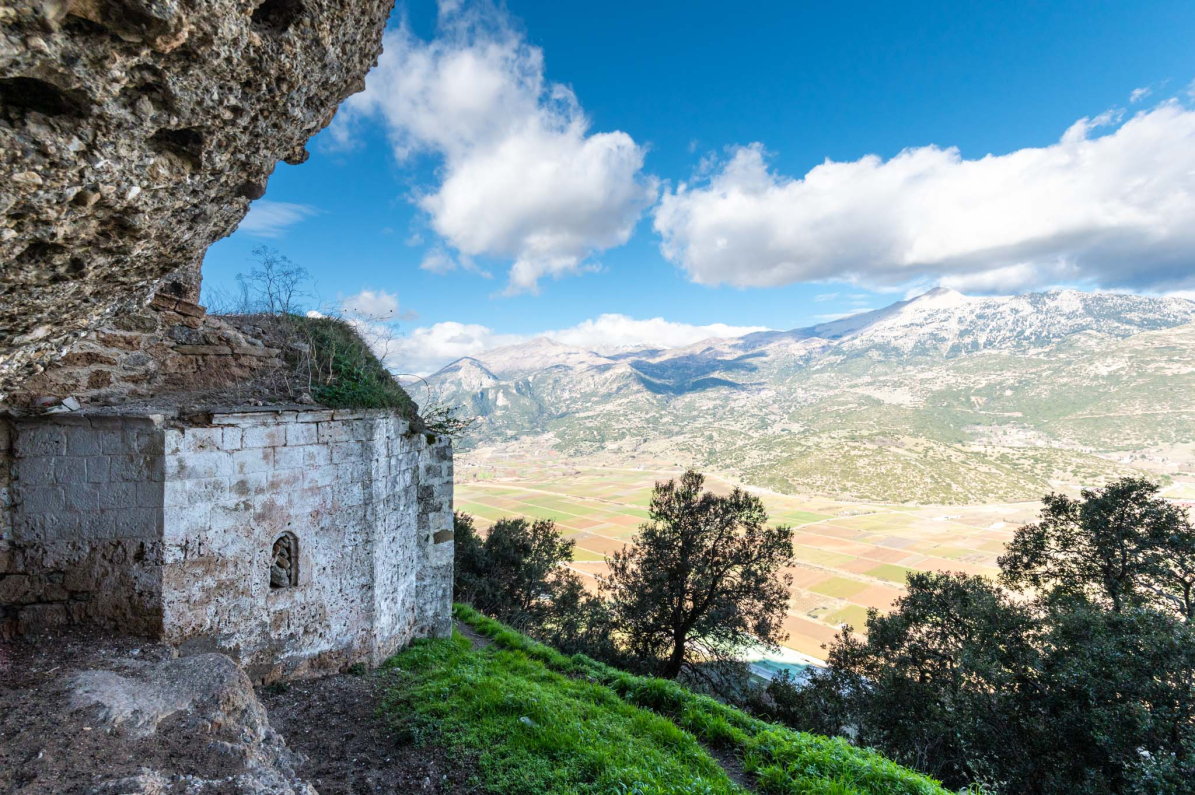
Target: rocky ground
(348, 749)
(85, 714)
(88, 715)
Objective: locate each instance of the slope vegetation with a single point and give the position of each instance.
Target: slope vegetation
(540, 722)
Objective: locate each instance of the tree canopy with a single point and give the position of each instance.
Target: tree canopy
(1075, 673)
(1119, 545)
(515, 571)
(703, 578)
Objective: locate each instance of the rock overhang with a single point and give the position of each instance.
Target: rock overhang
(133, 134)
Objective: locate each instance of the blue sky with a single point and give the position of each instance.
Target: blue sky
(539, 194)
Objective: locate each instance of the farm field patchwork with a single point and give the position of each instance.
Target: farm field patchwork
(849, 556)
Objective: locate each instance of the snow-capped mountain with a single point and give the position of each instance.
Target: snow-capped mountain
(541, 353)
(943, 374)
(949, 322)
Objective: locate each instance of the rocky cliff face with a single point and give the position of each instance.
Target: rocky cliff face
(134, 133)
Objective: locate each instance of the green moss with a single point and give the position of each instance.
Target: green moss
(344, 373)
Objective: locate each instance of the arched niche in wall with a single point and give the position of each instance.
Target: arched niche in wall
(284, 561)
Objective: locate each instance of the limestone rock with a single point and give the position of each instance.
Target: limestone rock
(134, 133)
(136, 722)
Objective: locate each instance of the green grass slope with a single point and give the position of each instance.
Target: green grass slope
(540, 722)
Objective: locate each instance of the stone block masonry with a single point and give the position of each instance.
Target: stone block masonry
(168, 347)
(81, 538)
(166, 527)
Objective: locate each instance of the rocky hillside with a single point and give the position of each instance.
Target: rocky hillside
(942, 398)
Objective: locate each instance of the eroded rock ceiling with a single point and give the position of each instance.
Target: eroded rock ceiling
(134, 134)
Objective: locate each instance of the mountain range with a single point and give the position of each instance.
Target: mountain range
(944, 398)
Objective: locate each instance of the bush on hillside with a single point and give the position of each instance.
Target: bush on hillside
(517, 574)
(340, 369)
(1086, 683)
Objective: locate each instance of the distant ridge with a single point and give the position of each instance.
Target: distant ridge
(940, 398)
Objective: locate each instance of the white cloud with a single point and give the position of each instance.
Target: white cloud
(1139, 94)
(271, 219)
(438, 261)
(825, 297)
(371, 305)
(1112, 210)
(840, 315)
(1021, 277)
(522, 177)
(610, 331)
(426, 349)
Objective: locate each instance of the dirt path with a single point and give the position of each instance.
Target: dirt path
(478, 640)
(732, 766)
(349, 749)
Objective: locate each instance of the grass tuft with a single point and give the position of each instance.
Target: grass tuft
(344, 372)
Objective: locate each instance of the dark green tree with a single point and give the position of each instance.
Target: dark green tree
(1119, 545)
(468, 560)
(1172, 564)
(934, 682)
(1114, 689)
(514, 573)
(579, 621)
(1084, 683)
(703, 579)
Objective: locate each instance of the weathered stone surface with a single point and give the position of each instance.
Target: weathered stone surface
(133, 134)
(297, 541)
(160, 358)
(98, 717)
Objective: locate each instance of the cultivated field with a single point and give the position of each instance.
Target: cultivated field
(849, 556)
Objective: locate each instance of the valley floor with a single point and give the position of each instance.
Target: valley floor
(850, 556)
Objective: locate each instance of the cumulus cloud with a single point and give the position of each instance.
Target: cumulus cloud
(1139, 94)
(522, 177)
(427, 349)
(610, 331)
(1106, 210)
(271, 219)
(438, 261)
(372, 305)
